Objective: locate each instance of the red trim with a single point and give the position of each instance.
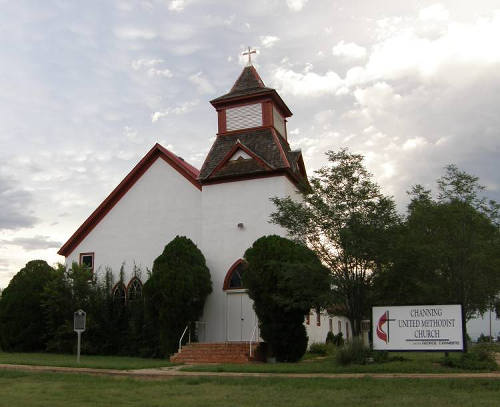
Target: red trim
(186, 170)
(245, 130)
(115, 287)
(229, 273)
(308, 319)
(221, 117)
(265, 94)
(280, 147)
(277, 173)
(267, 113)
(238, 146)
(88, 254)
(130, 283)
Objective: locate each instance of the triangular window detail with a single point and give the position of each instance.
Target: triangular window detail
(240, 154)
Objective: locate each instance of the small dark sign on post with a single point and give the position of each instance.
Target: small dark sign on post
(79, 326)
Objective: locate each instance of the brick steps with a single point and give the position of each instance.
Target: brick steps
(227, 352)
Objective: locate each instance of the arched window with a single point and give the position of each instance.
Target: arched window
(234, 276)
(119, 293)
(134, 289)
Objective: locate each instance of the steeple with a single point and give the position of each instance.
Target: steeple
(252, 138)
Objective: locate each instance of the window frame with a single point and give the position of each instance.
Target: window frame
(92, 254)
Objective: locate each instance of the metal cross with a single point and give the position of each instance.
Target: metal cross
(249, 53)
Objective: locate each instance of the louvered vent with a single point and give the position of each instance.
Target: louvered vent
(279, 122)
(244, 117)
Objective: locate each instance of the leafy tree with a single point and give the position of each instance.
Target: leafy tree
(175, 294)
(285, 279)
(349, 223)
(449, 250)
(22, 326)
(70, 290)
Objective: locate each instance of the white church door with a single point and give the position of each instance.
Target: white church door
(241, 318)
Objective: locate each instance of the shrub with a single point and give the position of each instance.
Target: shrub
(353, 352)
(484, 338)
(318, 349)
(22, 325)
(337, 340)
(285, 280)
(480, 357)
(175, 294)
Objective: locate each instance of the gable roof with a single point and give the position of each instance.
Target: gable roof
(270, 154)
(182, 167)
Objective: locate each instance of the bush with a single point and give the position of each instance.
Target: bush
(285, 280)
(22, 325)
(318, 349)
(175, 294)
(480, 357)
(353, 352)
(484, 338)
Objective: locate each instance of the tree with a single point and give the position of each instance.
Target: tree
(70, 289)
(285, 280)
(22, 324)
(450, 247)
(175, 293)
(349, 223)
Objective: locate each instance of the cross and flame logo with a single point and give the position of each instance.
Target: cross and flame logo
(383, 335)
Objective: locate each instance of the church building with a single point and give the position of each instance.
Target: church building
(223, 207)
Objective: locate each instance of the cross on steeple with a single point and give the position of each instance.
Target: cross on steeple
(249, 53)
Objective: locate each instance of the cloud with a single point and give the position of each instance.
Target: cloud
(177, 5)
(182, 109)
(150, 66)
(307, 83)
(37, 242)
(349, 50)
(268, 41)
(133, 33)
(14, 206)
(202, 84)
(296, 5)
(435, 12)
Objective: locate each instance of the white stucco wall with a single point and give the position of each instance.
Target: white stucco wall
(223, 207)
(159, 206)
(317, 334)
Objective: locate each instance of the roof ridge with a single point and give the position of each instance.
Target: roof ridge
(157, 151)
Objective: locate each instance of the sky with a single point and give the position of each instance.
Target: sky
(87, 88)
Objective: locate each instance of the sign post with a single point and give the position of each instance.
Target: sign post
(418, 328)
(79, 327)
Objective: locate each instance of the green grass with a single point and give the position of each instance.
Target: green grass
(19, 389)
(97, 362)
(414, 362)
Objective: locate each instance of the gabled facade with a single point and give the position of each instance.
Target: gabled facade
(223, 208)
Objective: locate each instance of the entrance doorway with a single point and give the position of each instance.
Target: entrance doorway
(241, 317)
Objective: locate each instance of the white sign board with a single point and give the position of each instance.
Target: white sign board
(418, 328)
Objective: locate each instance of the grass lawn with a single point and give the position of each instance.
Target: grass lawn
(97, 362)
(70, 390)
(414, 362)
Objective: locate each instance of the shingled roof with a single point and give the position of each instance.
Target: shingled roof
(269, 153)
(248, 83)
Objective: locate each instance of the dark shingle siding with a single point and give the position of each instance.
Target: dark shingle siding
(261, 142)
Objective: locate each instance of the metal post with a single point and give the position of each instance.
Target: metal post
(78, 347)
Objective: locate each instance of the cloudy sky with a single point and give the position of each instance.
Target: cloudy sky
(87, 88)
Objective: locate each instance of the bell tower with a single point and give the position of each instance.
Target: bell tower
(252, 136)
